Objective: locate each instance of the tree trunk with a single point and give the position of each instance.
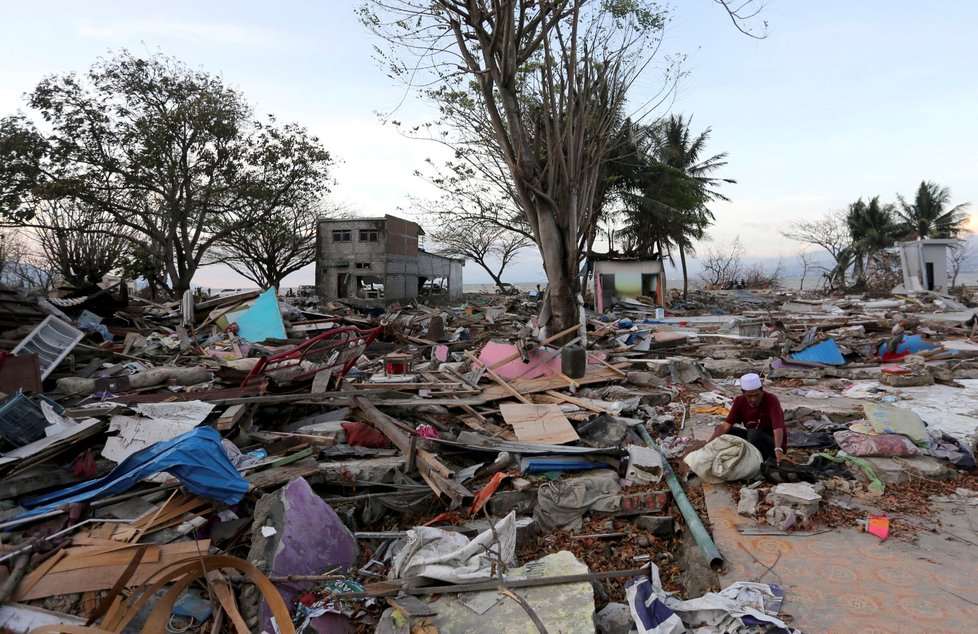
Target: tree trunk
(496, 279)
(682, 260)
(561, 266)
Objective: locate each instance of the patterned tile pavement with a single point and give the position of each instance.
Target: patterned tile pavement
(846, 581)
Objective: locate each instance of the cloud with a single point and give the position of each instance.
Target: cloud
(225, 34)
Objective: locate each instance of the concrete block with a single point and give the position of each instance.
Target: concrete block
(796, 495)
(903, 380)
(661, 525)
(785, 517)
(749, 499)
(892, 471)
(372, 469)
(520, 484)
(567, 608)
(295, 533)
(725, 368)
(614, 618)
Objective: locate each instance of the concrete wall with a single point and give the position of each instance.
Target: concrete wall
(914, 258)
(358, 257)
(431, 267)
(402, 236)
(401, 281)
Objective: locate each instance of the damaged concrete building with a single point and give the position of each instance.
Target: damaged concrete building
(380, 258)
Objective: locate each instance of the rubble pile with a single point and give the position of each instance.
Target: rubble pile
(243, 463)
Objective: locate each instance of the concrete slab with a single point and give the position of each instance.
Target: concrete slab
(372, 469)
(295, 532)
(567, 608)
(848, 581)
(899, 470)
(731, 367)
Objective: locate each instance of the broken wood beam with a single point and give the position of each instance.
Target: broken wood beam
(500, 381)
(437, 475)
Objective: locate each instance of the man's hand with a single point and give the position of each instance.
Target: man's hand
(780, 455)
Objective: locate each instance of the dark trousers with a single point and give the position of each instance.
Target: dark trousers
(756, 437)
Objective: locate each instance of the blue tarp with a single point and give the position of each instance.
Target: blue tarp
(826, 352)
(910, 344)
(196, 458)
(542, 464)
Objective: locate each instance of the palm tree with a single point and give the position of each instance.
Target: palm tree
(928, 216)
(682, 151)
(873, 228)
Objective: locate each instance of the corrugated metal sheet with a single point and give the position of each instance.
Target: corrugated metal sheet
(826, 352)
(68, 302)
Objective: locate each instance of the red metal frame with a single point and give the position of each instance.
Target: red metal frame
(345, 339)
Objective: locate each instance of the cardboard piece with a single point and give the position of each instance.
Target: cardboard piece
(543, 424)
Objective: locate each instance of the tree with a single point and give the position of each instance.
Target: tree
(807, 261)
(24, 266)
(928, 215)
(960, 254)
(680, 150)
(276, 245)
(872, 228)
(168, 152)
(830, 232)
(551, 78)
(82, 243)
(482, 243)
(722, 263)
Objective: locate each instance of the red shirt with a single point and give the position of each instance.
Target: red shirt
(767, 416)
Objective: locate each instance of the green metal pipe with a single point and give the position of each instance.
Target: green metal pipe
(700, 534)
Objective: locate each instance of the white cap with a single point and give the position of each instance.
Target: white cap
(750, 382)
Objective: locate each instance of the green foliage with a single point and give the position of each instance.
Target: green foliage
(666, 185)
(169, 152)
(929, 215)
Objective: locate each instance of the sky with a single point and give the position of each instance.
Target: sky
(841, 100)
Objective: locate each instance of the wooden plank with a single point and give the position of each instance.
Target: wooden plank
(500, 381)
(231, 417)
(542, 384)
(437, 475)
(80, 558)
(576, 401)
(103, 577)
(282, 475)
(218, 585)
(542, 424)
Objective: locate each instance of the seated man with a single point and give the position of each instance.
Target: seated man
(762, 418)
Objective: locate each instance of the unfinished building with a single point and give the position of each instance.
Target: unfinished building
(380, 258)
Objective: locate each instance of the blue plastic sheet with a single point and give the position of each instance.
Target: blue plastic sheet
(263, 320)
(196, 458)
(910, 344)
(826, 352)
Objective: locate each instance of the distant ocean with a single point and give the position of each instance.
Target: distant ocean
(965, 278)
